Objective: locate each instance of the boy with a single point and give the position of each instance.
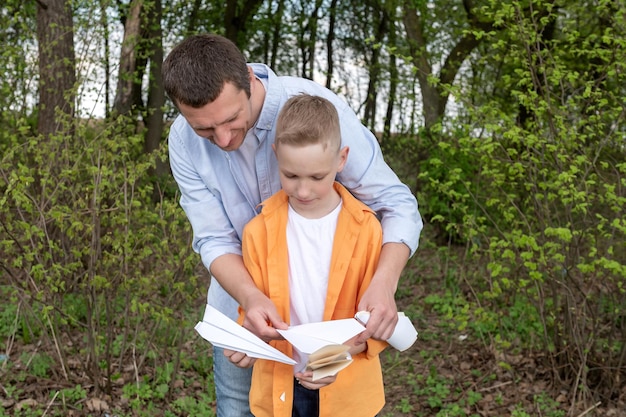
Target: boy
(313, 250)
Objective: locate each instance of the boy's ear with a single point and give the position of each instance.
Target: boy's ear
(343, 157)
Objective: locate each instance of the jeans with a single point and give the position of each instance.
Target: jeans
(306, 402)
(232, 386)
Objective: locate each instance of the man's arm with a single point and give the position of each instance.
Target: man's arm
(372, 181)
(231, 273)
(215, 232)
(379, 298)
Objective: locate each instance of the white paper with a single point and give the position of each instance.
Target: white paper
(221, 331)
(308, 338)
(404, 334)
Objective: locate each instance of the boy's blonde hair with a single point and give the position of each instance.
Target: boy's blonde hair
(308, 120)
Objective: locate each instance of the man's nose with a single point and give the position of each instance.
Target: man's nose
(221, 137)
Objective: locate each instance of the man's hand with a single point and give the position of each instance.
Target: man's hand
(231, 273)
(380, 303)
(239, 359)
(379, 298)
(260, 314)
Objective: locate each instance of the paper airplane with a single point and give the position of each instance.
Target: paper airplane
(223, 332)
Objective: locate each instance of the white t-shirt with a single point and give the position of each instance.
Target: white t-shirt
(310, 246)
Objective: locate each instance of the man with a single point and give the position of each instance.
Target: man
(221, 157)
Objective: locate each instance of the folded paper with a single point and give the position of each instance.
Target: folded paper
(328, 361)
(404, 334)
(310, 337)
(322, 342)
(221, 331)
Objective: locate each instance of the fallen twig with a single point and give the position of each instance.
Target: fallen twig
(589, 409)
(502, 384)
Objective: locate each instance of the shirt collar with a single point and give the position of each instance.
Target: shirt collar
(271, 105)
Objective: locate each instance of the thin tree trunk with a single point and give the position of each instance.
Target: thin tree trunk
(276, 38)
(57, 77)
(329, 43)
(125, 93)
(393, 85)
(193, 17)
(156, 90)
(104, 21)
(369, 113)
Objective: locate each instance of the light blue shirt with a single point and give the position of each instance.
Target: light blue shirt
(219, 197)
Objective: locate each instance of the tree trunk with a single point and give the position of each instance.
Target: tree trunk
(393, 86)
(272, 37)
(417, 46)
(125, 94)
(236, 17)
(192, 22)
(57, 79)
(369, 113)
(104, 22)
(434, 97)
(156, 90)
(329, 43)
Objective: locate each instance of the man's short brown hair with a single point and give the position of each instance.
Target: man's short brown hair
(195, 71)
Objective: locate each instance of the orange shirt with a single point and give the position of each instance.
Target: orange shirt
(358, 390)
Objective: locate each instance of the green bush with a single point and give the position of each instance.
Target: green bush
(542, 207)
(531, 178)
(90, 256)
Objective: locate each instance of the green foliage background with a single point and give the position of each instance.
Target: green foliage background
(540, 204)
(528, 176)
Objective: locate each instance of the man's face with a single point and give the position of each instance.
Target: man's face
(225, 121)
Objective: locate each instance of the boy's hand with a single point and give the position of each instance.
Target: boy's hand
(239, 359)
(305, 379)
(356, 347)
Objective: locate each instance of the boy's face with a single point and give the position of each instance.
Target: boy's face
(307, 174)
(224, 121)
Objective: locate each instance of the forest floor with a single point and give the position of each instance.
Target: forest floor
(446, 373)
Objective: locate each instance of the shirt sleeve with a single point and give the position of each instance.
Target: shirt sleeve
(371, 180)
(213, 232)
